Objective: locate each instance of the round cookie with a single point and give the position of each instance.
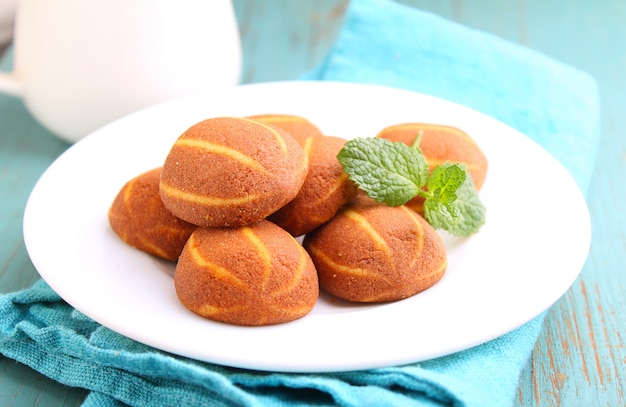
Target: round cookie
(325, 190)
(440, 144)
(372, 252)
(251, 275)
(298, 127)
(138, 216)
(228, 172)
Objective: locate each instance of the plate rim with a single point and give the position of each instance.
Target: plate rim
(312, 366)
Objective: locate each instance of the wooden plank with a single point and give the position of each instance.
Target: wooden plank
(22, 386)
(282, 39)
(23, 158)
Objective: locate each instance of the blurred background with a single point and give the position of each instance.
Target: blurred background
(282, 39)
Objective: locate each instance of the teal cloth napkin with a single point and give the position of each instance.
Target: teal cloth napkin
(385, 43)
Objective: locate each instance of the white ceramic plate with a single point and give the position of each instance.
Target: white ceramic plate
(526, 256)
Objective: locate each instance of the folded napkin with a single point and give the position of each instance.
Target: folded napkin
(385, 43)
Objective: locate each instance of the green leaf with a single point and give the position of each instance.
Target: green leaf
(453, 203)
(387, 171)
(472, 208)
(442, 216)
(394, 173)
(445, 180)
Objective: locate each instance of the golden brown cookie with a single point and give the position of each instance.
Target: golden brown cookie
(230, 171)
(325, 190)
(251, 275)
(372, 252)
(298, 127)
(138, 216)
(441, 144)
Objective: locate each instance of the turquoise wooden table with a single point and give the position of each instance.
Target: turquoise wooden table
(580, 357)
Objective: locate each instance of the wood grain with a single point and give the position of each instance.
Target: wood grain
(282, 39)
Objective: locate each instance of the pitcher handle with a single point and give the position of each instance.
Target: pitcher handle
(9, 84)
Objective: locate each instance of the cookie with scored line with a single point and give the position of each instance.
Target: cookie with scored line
(251, 275)
(229, 171)
(371, 252)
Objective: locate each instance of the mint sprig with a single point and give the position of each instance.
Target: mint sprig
(394, 173)
(387, 172)
(452, 202)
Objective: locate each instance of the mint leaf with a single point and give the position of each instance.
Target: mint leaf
(386, 171)
(394, 173)
(445, 180)
(442, 216)
(469, 204)
(452, 202)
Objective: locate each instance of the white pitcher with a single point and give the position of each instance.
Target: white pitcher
(79, 64)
